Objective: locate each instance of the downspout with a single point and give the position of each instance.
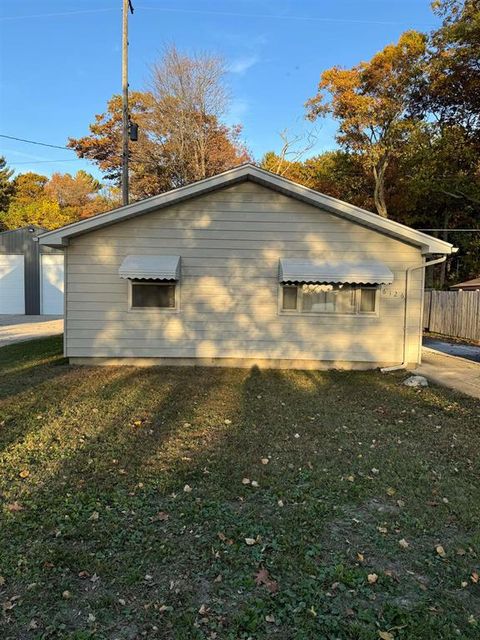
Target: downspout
(404, 363)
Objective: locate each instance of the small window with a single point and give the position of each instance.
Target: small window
(367, 300)
(153, 295)
(289, 298)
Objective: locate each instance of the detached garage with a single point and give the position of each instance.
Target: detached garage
(31, 276)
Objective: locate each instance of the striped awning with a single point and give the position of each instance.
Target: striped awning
(150, 268)
(318, 272)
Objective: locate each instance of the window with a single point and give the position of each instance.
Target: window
(290, 298)
(328, 298)
(152, 295)
(367, 300)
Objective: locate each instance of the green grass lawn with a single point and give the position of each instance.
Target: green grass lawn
(126, 511)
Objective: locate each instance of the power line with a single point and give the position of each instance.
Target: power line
(41, 144)
(55, 15)
(47, 161)
(273, 16)
(452, 229)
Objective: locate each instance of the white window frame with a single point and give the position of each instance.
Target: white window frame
(155, 310)
(356, 313)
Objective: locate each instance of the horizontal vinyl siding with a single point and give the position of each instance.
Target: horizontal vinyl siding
(230, 242)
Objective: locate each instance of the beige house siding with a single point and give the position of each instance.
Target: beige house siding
(230, 242)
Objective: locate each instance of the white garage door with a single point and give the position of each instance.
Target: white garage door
(12, 284)
(52, 284)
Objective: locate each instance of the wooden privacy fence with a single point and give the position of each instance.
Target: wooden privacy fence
(453, 313)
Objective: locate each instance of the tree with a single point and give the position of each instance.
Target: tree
(181, 134)
(42, 212)
(28, 187)
(6, 184)
(335, 173)
(371, 102)
(55, 202)
(452, 85)
(72, 191)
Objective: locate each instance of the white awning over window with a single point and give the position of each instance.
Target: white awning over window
(316, 271)
(150, 268)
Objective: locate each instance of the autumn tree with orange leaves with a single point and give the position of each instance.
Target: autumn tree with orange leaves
(182, 136)
(371, 102)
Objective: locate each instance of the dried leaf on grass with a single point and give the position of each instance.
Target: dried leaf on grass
(263, 578)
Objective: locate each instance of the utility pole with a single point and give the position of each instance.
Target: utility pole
(127, 6)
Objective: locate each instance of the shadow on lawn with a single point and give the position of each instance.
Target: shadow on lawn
(165, 428)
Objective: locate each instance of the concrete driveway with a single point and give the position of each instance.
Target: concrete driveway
(450, 371)
(19, 328)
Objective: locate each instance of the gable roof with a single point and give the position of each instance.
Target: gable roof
(245, 172)
(27, 227)
(474, 283)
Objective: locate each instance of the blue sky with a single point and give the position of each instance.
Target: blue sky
(61, 61)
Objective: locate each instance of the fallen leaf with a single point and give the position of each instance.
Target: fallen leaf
(400, 503)
(474, 577)
(360, 557)
(263, 578)
(66, 595)
(24, 473)
(203, 610)
(228, 421)
(391, 491)
(403, 543)
(95, 516)
(269, 618)
(245, 480)
(84, 574)
(382, 529)
(372, 578)
(351, 478)
(254, 483)
(91, 617)
(250, 541)
(385, 635)
(14, 507)
(265, 460)
(440, 550)
(187, 488)
(280, 503)
(2, 581)
(32, 625)
(224, 538)
(461, 552)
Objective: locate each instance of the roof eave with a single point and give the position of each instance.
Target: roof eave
(428, 244)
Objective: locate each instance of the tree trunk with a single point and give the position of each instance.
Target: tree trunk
(379, 170)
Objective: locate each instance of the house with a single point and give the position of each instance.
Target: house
(468, 285)
(31, 275)
(244, 267)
